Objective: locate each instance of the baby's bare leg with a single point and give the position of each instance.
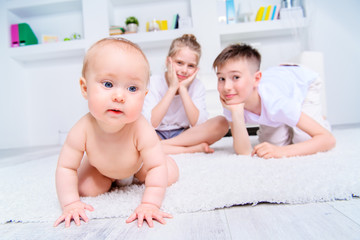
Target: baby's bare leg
(91, 181)
(173, 172)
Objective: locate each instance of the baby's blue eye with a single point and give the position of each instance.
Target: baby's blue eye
(221, 79)
(108, 84)
(132, 88)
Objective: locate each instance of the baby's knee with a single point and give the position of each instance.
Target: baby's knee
(94, 187)
(173, 171)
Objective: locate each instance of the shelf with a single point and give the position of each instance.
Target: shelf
(29, 9)
(47, 51)
(155, 39)
(117, 3)
(261, 29)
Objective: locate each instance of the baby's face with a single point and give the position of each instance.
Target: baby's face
(185, 63)
(235, 81)
(116, 82)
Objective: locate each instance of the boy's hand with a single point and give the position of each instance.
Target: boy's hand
(232, 107)
(75, 210)
(148, 212)
(267, 150)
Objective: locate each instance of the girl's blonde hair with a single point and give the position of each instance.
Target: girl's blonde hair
(186, 40)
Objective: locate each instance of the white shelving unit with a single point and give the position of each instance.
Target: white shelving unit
(60, 13)
(54, 13)
(48, 51)
(259, 29)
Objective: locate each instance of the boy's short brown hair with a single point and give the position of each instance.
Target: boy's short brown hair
(238, 51)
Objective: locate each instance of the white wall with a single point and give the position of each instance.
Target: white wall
(39, 100)
(334, 30)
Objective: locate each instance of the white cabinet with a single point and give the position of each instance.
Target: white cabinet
(50, 17)
(92, 19)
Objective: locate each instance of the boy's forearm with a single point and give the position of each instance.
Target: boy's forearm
(320, 143)
(241, 141)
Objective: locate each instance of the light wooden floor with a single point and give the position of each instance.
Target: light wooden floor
(333, 220)
(330, 220)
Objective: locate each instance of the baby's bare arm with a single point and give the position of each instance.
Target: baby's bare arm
(155, 175)
(68, 163)
(67, 179)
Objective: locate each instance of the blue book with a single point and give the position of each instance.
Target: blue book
(273, 13)
(230, 12)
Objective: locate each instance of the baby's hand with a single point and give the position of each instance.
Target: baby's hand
(74, 210)
(148, 212)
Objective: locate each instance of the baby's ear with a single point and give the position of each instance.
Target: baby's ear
(83, 87)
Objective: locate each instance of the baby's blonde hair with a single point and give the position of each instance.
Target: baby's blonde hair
(117, 42)
(186, 40)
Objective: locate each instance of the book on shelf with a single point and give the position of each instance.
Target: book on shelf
(116, 30)
(259, 14)
(230, 12)
(175, 22)
(267, 13)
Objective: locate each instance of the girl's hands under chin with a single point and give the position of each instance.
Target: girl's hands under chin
(170, 74)
(186, 82)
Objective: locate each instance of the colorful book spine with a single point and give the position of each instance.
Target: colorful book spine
(260, 14)
(273, 12)
(230, 12)
(267, 13)
(277, 12)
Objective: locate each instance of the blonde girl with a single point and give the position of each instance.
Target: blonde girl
(175, 104)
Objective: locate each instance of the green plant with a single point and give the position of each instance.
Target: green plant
(131, 19)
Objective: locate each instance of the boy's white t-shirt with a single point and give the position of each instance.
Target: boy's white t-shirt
(282, 90)
(175, 117)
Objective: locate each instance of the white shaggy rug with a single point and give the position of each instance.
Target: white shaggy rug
(207, 182)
